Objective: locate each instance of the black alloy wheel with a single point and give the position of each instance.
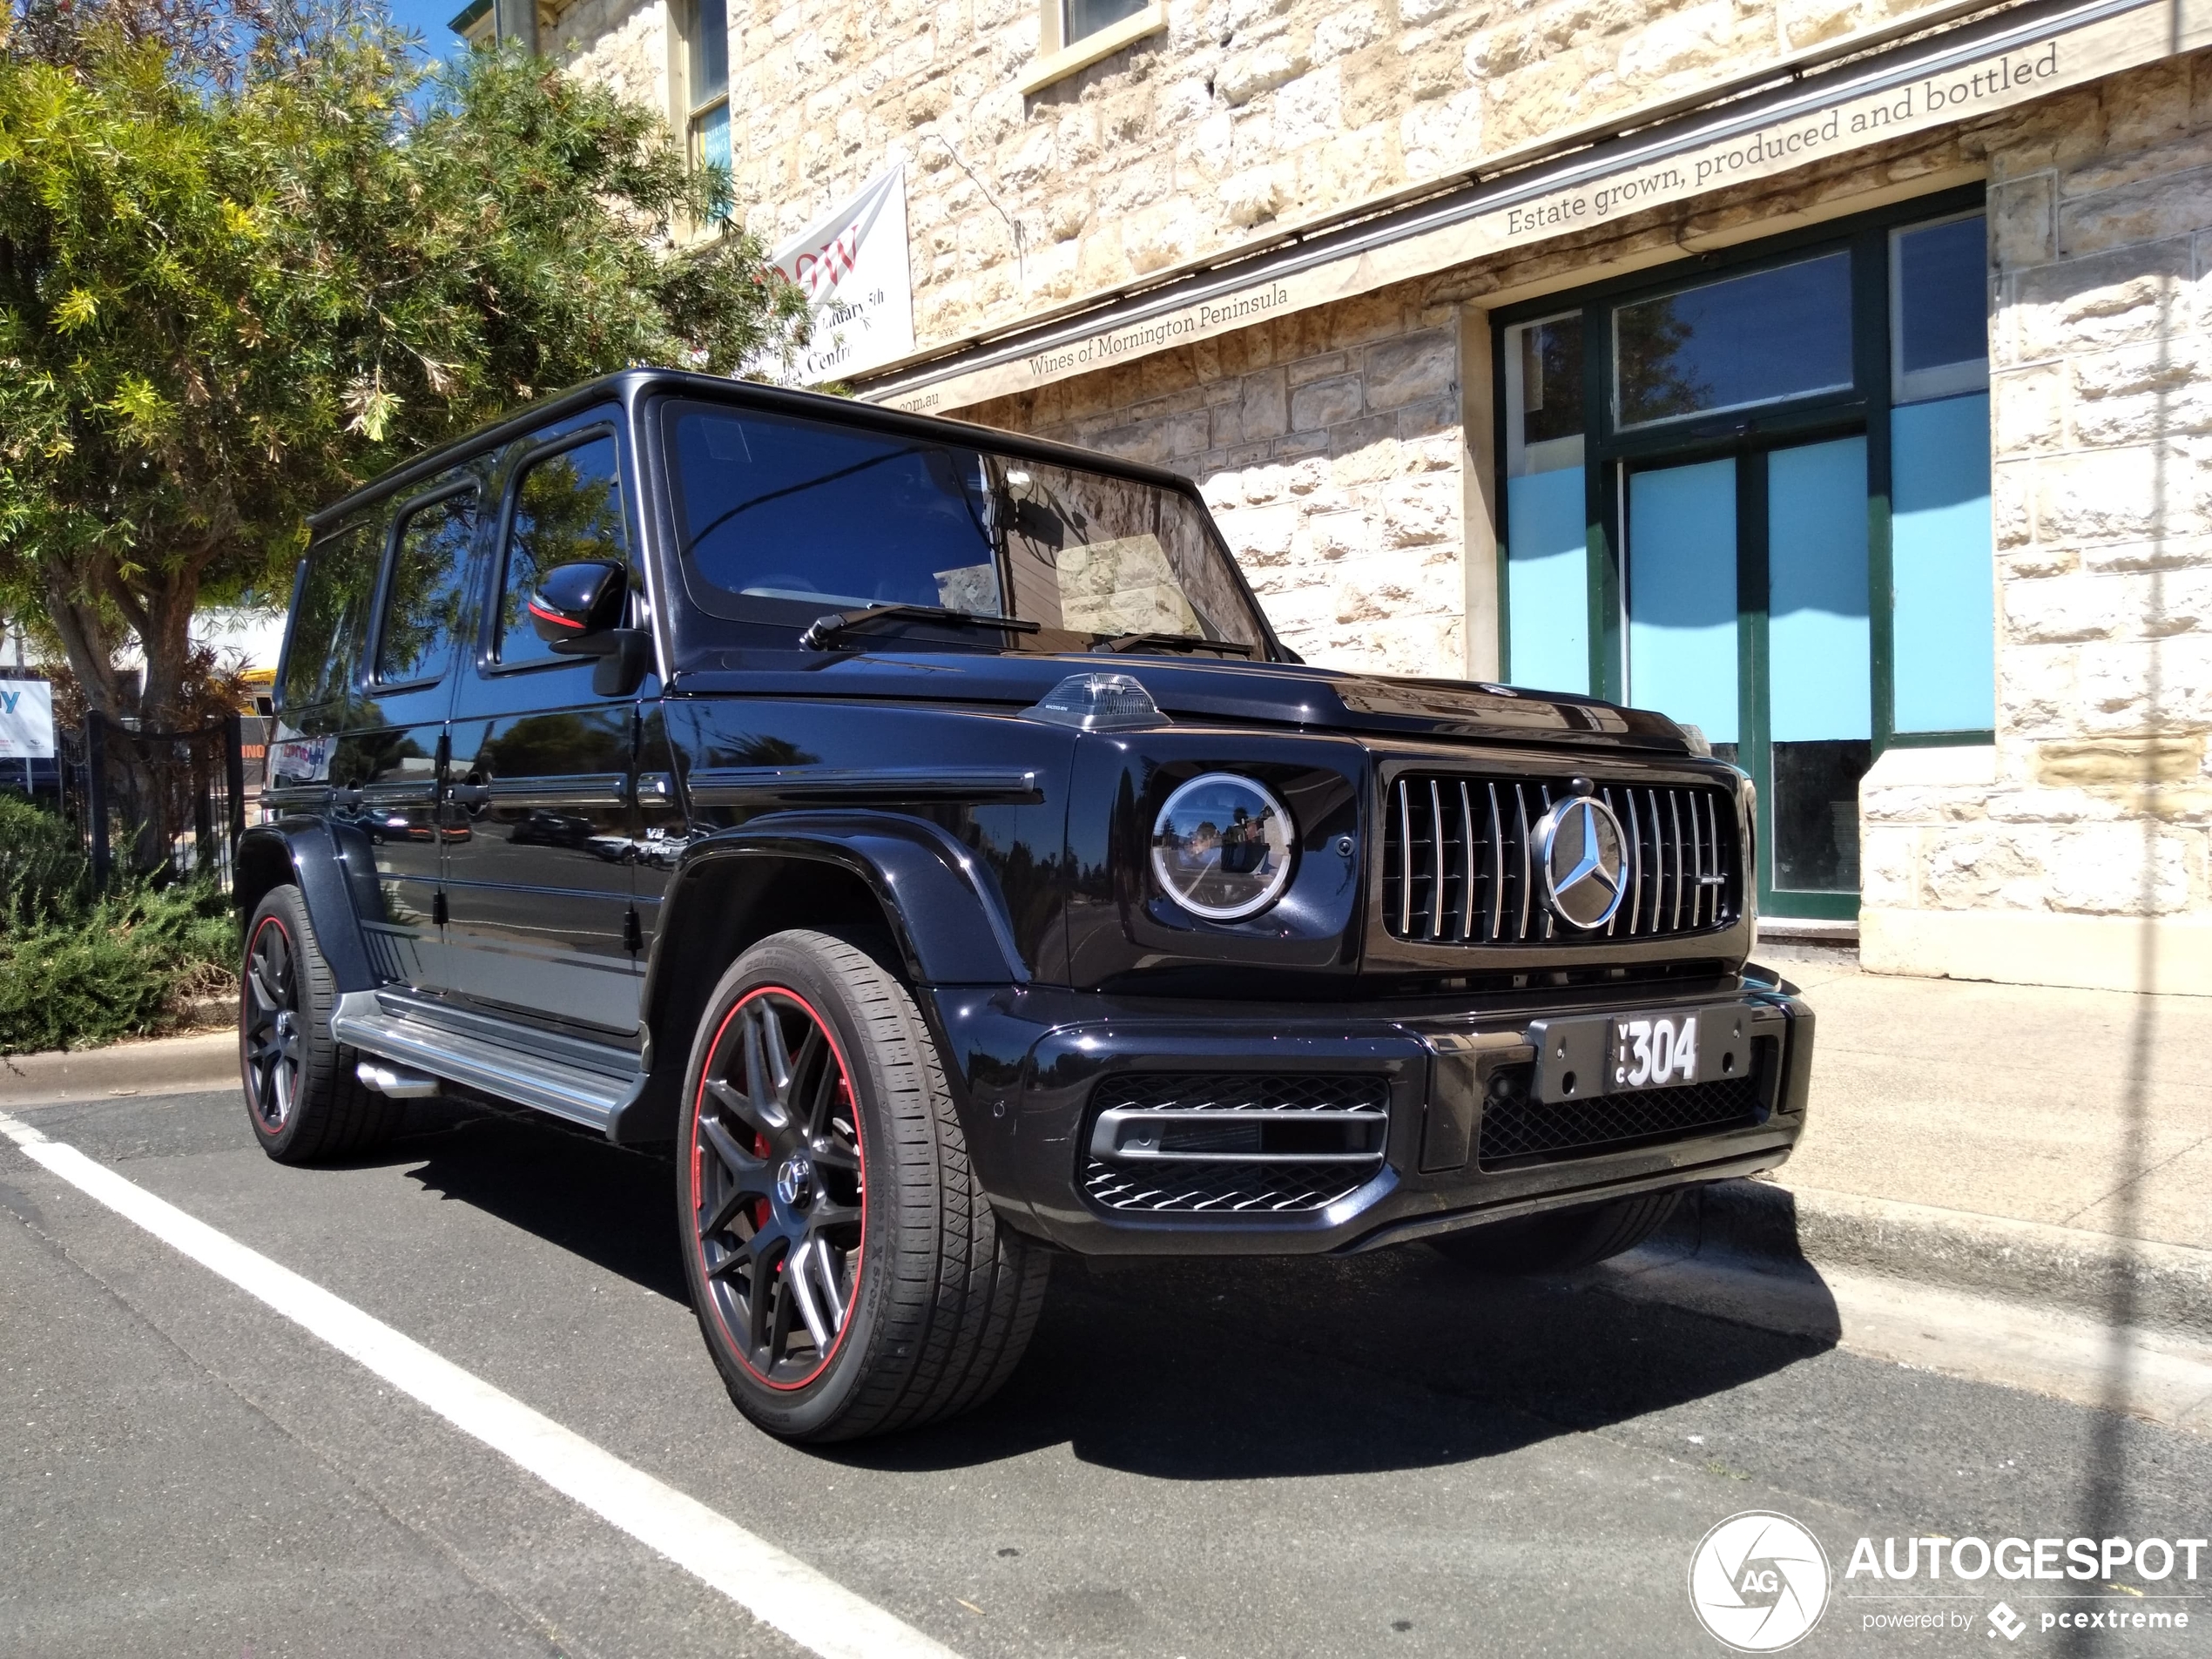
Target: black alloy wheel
(269, 1022)
(779, 1187)
(849, 1273)
(303, 1096)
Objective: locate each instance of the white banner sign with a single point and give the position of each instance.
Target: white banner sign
(26, 720)
(853, 264)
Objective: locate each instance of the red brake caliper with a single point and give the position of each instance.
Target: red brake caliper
(760, 1205)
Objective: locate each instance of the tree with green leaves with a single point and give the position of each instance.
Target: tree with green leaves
(236, 281)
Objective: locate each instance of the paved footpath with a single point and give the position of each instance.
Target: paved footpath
(2086, 1109)
(1380, 1455)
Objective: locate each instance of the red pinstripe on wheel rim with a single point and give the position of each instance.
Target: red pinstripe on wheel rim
(777, 1187)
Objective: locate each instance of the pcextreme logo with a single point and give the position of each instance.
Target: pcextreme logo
(1758, 1581)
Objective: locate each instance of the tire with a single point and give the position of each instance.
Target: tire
(1562, 1242)
(818, 1128)
(301, 1095)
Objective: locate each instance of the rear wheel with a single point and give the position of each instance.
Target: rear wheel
(302, 1094)
(1562, 1241)
(849, 1277)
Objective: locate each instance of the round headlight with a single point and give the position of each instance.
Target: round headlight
(1220, 847)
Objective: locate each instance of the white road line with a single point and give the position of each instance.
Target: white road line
(776, 1589)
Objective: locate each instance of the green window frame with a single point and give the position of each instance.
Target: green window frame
(1608, 453)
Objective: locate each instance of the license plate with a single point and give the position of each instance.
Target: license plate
(1655, 1050)
(1581, 1058)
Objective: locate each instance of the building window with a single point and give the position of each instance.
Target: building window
(1943, 638)
(1080, 19)
(1072, 34)
(1735, 344)
(1548, 548)
(1764, 511)
(706, 82)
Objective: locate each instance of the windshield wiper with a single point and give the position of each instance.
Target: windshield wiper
(823, 630)
(1170, 641)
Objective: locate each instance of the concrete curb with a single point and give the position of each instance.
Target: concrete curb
(2125, 1283)
(164, 1066)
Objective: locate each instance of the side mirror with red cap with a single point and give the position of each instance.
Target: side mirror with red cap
(579, 609)
(573, 602)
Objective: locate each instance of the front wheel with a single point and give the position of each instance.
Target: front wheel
(849, 1276)
(1562, 1241)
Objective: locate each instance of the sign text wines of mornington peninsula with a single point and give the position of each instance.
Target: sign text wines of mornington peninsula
(1142, 337)
(1882, 98)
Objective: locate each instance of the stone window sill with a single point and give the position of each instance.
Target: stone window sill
(1091, 48)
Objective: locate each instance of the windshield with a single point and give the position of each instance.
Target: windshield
(780, 520)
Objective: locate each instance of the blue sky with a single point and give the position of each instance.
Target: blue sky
(428, 18)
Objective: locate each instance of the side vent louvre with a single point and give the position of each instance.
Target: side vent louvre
(1232, 1144)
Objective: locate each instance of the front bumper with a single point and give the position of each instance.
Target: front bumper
(1037, 1066)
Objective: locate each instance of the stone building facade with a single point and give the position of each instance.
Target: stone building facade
(1312, 255)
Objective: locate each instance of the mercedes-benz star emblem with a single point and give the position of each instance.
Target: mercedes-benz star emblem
(795, 1182)
(1578, 848)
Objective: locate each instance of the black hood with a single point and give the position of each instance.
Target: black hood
(1282, 694)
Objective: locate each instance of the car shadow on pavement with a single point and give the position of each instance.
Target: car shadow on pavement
(1239, 1369)
(612, 1206)
(1193, 1369)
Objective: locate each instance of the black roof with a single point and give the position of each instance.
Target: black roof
(626, 386)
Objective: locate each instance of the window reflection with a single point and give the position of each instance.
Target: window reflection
(331, 618)
(1544, 392)
(429, 590)
(1732, 344)
(1089, 16)
(568, 506)
(1938, 304)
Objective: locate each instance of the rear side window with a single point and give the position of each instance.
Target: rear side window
(568, 506)
(428, 592)
(331, 618)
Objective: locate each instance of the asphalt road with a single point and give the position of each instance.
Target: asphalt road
(1375, 1456)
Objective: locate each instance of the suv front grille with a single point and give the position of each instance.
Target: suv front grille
(1232, 1144)
(1459, 860)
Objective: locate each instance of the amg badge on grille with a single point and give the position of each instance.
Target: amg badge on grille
(1579, 850)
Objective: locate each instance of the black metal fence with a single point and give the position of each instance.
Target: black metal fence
(168, 802)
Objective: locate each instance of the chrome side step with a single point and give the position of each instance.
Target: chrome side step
(586, 1084)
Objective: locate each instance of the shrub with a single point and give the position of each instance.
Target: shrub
(76, 969)
(45, 878)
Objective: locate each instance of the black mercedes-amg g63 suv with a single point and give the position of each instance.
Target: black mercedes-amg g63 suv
(920, 828)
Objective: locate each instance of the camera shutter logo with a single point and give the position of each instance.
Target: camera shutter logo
(1758, 1581)
(1579, 848)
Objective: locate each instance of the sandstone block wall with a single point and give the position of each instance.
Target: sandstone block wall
(2097, 800)
(622, 44)
(1241, 117)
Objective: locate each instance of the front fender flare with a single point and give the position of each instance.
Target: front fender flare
(330, 867)
(946, 914)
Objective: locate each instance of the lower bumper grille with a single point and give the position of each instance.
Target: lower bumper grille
(1228, 1143)
(1519, 1132)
